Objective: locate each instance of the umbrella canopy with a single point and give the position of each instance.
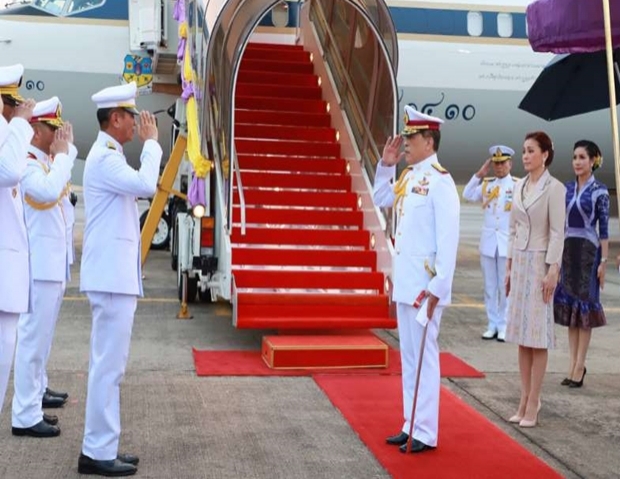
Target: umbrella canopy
(570, 26)
(570, 85)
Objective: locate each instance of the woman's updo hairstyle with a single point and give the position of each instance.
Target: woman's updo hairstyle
(593, 151)
(545, 144)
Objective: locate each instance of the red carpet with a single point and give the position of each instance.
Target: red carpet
(250, 363)
(469, 444)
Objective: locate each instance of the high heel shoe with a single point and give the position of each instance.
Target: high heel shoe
(515, 419)
(527, 422)
(578, 384)
(566, 381)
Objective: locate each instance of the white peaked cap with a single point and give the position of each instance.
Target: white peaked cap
(121, 96)
(10, 78)
(500, 153)
(416, 121)
(48, 111)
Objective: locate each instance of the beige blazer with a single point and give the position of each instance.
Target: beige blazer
(537, 222)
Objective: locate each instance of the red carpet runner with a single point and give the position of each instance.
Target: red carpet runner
(250, 363)
(470, 446)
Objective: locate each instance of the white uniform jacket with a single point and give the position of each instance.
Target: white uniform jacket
(111, 250)
(43, 186)
(427, 234)
(14, 267)
(496, 195)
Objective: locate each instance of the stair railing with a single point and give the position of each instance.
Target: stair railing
(237, 171)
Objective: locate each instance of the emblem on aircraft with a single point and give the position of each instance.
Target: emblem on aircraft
(140, 70)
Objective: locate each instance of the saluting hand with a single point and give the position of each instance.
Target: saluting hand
(484, 169)
(391, 151)
(147, 129)
(24, 110)
(61, 140)
(68, 131)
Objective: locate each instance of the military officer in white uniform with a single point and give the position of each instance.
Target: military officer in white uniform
(111, 271)
(50, 160)
(427, 210)
(15, 136)
(495, 194)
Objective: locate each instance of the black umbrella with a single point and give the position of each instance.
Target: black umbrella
(570, 85)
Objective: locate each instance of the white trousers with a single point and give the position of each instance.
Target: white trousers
(410, 333)
(35, 332)
(494, 273)
(109, 349)
(8, 336)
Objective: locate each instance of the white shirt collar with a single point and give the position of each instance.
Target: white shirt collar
(426, 163)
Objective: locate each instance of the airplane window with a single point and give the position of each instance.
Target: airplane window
(474, 24)
(280, 15)
(504, 25)
(66, 7)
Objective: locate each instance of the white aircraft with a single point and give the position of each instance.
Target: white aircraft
(468, 64)
(73, 48)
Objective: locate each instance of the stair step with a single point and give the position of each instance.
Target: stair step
(274, 46)
(279, 91)
(297, 198)
(270, 53)
(261, 65)
(304, 257)
(287, 180)
(291, 104)
(324, 352)
(286, 163)
(277, 78)
(312, 305)
(269, 117)
(310, 237)
(321, 322)
(309, 280)
(293, 148)
(282, 216)
(246, 130)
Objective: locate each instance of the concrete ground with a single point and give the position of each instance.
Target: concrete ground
(183, 426)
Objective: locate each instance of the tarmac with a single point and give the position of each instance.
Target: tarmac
(188, 427)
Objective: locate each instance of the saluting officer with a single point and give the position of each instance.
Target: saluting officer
(427, 210)
(495, 194)
(111, 272)
(15, 135)
(44, 184)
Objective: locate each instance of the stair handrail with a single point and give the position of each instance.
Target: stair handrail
(237, 170)
(369, 167)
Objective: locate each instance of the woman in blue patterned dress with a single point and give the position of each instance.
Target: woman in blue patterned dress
(576, 301)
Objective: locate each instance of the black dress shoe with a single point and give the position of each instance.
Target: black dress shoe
(416, 446)
(398, 439)
(64, 396)
(40, 429)
(50, 419)
(52, 401)
(112, 468)
(128, 458)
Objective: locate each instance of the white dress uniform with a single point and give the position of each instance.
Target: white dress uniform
(111, 270)
(427, 208)
(43, 185)
(15, 268)
(495, 194)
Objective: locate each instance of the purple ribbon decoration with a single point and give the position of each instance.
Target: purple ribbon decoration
(179, 10)
(196, 193)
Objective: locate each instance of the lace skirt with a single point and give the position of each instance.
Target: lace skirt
(529, 319)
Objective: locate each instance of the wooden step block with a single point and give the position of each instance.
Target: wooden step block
(324, 352)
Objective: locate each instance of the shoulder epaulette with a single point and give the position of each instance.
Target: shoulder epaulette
(440, 168)
(110, 145)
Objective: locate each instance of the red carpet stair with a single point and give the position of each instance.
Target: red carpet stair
(305, 262)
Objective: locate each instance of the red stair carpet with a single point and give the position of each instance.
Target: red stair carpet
(470, 446)
(305, 261)
(250, 363)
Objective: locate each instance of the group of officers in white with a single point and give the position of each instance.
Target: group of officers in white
(427, 209)
(36, 251)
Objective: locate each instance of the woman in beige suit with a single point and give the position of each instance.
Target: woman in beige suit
(536, 241)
